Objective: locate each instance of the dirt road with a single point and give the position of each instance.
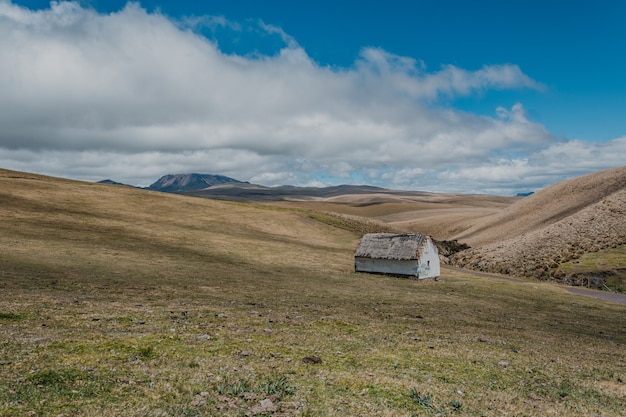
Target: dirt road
(604, 295)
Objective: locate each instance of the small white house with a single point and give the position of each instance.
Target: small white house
(411, 255)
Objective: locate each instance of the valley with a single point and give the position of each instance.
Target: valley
(120, 301)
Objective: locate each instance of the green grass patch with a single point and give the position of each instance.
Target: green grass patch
(50, 391)
(359, 225)
(4, 316)
(606, 266)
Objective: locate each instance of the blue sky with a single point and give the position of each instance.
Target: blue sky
(490, 96)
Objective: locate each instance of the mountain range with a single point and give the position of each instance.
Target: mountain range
(182, 183)
(221, 187)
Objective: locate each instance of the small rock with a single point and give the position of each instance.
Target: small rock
(200, 399)
(221, 316)
(204, 337)
(563, 394)
(504, 363)
(312, 360)
(244, 353)
(250, 396)
(264, 407)
(5, 363)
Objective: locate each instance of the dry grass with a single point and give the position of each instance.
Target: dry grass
(548, 207)
(117, 301)
(440, 215)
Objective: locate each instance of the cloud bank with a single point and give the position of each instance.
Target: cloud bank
(134, 95)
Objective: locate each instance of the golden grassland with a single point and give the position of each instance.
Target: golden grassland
(116, 301)
(440, 215)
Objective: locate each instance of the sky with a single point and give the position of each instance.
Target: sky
(486, 97)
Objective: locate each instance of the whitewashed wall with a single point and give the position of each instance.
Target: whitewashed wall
(429, 261)
(386, 266)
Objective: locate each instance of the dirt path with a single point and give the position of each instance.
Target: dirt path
(604, 295)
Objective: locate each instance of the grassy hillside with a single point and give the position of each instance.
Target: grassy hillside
(116, 301)
(440, 215)
(548, 207)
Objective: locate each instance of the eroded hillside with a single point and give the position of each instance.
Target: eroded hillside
(560, 223)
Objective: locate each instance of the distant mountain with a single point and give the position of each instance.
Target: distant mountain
(111, 182)
(182, 183)
(525, 194)
(237, 191)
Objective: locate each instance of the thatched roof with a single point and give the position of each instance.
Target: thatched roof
(391, 246)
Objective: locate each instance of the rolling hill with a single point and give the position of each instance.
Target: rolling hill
(531, 236)
(526, 237)
(121, 301)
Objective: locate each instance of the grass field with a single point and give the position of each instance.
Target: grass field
(608, 263)
(115, 301)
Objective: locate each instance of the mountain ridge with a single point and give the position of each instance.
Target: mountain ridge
(181, 183)
(226, 188)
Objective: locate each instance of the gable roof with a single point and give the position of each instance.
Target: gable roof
(406, 246)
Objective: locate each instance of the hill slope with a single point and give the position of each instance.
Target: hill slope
(557, 224)
(546, 207)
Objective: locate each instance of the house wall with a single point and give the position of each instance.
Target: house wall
(386, 266)
(427, 266)
(429, 261)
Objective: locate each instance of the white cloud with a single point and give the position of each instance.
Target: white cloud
(211, 22)
(134, 95)
(546, 166)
